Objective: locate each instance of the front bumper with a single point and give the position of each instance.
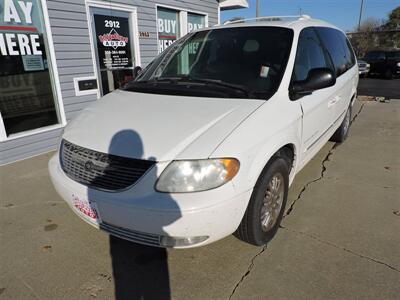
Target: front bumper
(142, 215)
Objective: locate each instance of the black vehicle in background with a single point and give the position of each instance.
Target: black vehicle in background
(383, 62)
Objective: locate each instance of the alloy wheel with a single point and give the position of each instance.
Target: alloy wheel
(272, 202)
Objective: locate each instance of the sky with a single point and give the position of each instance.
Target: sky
(342, 13)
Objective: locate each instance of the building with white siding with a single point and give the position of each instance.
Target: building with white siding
(58, 56)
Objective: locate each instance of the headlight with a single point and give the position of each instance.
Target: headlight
(398, 64)
(368, 65)
(184, 176)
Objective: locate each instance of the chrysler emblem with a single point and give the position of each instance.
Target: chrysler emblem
(89, 166)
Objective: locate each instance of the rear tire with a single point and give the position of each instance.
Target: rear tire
(267, 204)
(341, 133)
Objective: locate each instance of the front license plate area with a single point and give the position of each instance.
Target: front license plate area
(87, 209)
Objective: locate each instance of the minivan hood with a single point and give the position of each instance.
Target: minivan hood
(158, 127)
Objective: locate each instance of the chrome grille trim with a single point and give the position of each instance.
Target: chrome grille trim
(101, 170)
(131, 235)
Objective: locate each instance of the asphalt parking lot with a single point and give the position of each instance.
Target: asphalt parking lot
(339, 240)
(379, 87)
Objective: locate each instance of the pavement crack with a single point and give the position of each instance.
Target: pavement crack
(371, 259)
(290, 209)
(249, 269)
(357, 113)
(323, 169)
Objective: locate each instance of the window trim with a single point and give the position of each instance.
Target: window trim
(183, 18)
(58, 102)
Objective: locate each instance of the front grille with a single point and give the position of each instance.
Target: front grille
(130, 235)
(101, 170)
(362, 65)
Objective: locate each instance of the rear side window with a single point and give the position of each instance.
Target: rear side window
(338, 47)
(310, 55)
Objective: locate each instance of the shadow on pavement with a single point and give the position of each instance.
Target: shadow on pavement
(140, 272)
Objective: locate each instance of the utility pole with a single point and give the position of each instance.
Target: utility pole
(258, 9)
(359, 19)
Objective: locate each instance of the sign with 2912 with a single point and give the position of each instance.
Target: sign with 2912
(113, 42)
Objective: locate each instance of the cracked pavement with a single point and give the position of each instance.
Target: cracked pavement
(339, 238)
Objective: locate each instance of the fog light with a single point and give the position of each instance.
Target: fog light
(170, 241)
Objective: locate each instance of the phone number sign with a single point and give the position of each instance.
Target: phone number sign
(113, 42)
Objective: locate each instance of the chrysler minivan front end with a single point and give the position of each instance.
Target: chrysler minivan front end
(132, 199)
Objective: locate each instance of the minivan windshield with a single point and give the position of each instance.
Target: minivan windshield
(244, 62)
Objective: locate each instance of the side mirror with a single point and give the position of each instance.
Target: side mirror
(317, 79)
(136, 71)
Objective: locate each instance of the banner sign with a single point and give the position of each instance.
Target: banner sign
(168, 27)
(25, 84)
(113, 42)
(20, 33)
(196, 22)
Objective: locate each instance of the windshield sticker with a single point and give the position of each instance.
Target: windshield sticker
(264, 71)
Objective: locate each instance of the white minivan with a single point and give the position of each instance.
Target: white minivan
(207, 139)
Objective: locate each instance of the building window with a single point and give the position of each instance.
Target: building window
(168, 27)
(174, 23)
(196, 21)
(27, 93)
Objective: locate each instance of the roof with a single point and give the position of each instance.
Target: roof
(293, 22)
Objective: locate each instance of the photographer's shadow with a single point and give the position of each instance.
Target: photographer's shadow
(139, 271)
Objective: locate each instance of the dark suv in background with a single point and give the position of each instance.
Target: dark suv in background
(383, 62)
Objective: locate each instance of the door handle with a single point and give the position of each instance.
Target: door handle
(334, 101)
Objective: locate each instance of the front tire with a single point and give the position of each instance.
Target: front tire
(341, 133)
(267, 204)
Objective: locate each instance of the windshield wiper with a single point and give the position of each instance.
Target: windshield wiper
(189, 79)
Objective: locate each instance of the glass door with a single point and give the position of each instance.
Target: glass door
(113, 40)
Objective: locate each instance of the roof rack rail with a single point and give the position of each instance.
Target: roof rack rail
(270, 18)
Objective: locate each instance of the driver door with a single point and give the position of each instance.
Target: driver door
(318, 107)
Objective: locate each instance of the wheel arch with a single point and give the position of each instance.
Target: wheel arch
(286, 150)
(353, 98)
